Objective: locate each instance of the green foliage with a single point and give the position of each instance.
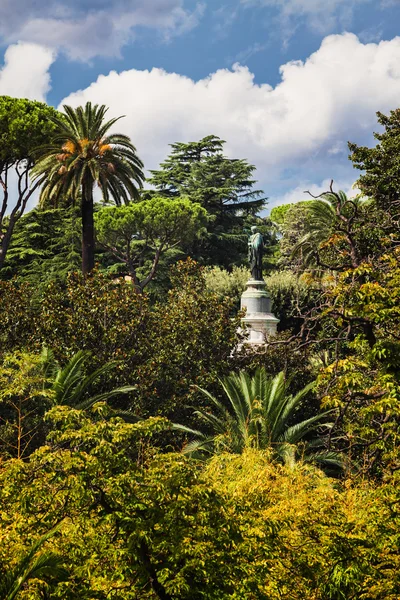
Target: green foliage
(224, 187)
(364, 381)
(24, 398)
(96, 314)
(295, 225)
(278, 213)
(292, 295)
(45, 246)
(258, 412)
(36, 565)
(336, 234)
(380, 164)
(18, 316)
(24, 124)
(140, 233)
(83, 149)
(70, 385)
(163, 526)
(163, 350)
(253, 519)
(31, 384)
(83, 153)
(227, 284)
(191, 336)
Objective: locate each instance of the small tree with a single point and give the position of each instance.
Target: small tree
(24, 125)
(23, 402)
(147, 229)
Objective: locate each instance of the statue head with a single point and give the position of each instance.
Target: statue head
(254, 229)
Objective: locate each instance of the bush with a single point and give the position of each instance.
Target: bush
(227, 284)
(164, 349)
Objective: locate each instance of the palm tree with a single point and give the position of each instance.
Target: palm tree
(260, 413)
(321, 220)
(71, 386)
(83, 153)
(45, 566)
(329, 215)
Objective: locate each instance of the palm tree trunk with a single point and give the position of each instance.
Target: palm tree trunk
(87, 227)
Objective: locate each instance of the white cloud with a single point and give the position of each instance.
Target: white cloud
(294, 132)
(320, 15)
(300, 192)
(25, 72)
(88, 28)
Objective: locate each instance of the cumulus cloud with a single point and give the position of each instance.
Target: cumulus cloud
(25, 72)
(88, 28)
(293, 132)
(296, 131)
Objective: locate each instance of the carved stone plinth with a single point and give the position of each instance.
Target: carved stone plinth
(259, 321)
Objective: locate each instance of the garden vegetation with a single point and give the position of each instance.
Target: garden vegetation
(146, 452)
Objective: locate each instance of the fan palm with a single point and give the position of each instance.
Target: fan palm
(261, 413)
(45, 566)
(83, 153)
(71, 386)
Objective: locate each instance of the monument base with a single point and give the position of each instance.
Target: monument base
(259, 321)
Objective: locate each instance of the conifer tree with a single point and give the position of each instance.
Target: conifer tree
(223, 186)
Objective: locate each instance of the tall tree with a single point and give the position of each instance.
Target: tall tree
(223, 186)
(24, 125)
(381, 164)
(84, 153)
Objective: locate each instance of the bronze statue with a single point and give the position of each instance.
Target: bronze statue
(256, 246)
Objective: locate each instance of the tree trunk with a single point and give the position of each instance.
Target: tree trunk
(87, 227)
(5, 240)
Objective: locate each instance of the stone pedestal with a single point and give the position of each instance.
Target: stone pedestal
(259, 320)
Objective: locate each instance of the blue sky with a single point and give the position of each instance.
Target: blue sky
(309, 75)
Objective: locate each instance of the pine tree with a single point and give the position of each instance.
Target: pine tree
(223, 186)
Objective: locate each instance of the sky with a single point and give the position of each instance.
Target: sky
(287, 83)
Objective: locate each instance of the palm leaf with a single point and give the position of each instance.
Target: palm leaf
(46, 566)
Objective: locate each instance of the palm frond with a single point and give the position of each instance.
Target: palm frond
(257, 412)
(46, 566)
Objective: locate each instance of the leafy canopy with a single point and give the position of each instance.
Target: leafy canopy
(24, 125)
(147, 229)
(258, 413)
(83, 149)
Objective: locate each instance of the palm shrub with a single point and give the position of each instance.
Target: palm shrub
(83, 153)
(42, 565)
(259, 412)
(71, 386)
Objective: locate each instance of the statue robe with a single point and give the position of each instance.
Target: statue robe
(256, 246)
